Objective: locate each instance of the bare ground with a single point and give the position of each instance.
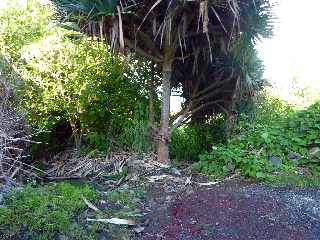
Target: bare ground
(234, 209)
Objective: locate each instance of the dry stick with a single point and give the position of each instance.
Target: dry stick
(89, 204)
(217, 182)
(25, 171)
(15, 171)
(189, 114)
(30, 166)
(185, 111)
(215, 84)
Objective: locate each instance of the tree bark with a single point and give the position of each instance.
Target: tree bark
(164, 133)
(152, 120)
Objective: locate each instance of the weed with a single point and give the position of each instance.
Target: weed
(277, 130)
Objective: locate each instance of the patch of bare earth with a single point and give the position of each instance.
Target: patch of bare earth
(234, 209)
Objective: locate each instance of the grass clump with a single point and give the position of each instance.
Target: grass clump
(44, 212)
(294, 179)
(189, 141)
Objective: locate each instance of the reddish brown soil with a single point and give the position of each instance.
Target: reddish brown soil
(237, 211)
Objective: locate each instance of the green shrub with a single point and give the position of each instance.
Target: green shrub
(22, 22)
(277, 130)
(76, 80)
(79, 82)
(191, 140)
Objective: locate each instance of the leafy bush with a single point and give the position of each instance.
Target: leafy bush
(69, 78)
(22, 22)
(277, 130)
(193, 139)
(80, 82)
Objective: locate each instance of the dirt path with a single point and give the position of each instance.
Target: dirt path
(234, 210)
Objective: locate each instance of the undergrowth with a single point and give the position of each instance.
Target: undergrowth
(58, 211)
(189, 141)
(277, 130)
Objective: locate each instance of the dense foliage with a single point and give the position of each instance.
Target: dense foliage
(277, 131)
(198, 45)
(191, 140)
(80, 82)
(64, 77)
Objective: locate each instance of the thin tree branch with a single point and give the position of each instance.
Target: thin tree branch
(181, 121)
(142, 53)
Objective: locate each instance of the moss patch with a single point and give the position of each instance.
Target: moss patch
(43, 212)
(57, 211)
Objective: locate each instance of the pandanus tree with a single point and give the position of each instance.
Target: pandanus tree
(182, 38)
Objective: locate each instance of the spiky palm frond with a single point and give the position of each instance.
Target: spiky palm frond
(211, 40)
(91, 10)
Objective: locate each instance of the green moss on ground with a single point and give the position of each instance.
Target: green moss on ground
(57, 211)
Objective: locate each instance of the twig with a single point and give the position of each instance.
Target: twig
(89, 204)
(217, 182)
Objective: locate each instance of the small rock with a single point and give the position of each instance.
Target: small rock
(134, 178)
(315, 153)
(139, 157)
(193, 221)
(62, 237)
(139, 229)
(73, 226)
(103, 236)
(275, 161)
(176, 171)
(247, 196)
(168, 198)
(293, 155)
(50, 206)
(125, 187)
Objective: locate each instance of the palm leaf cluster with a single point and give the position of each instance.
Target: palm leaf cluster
(209, 43)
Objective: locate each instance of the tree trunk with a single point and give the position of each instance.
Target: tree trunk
(164, 135)
(152, 120)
